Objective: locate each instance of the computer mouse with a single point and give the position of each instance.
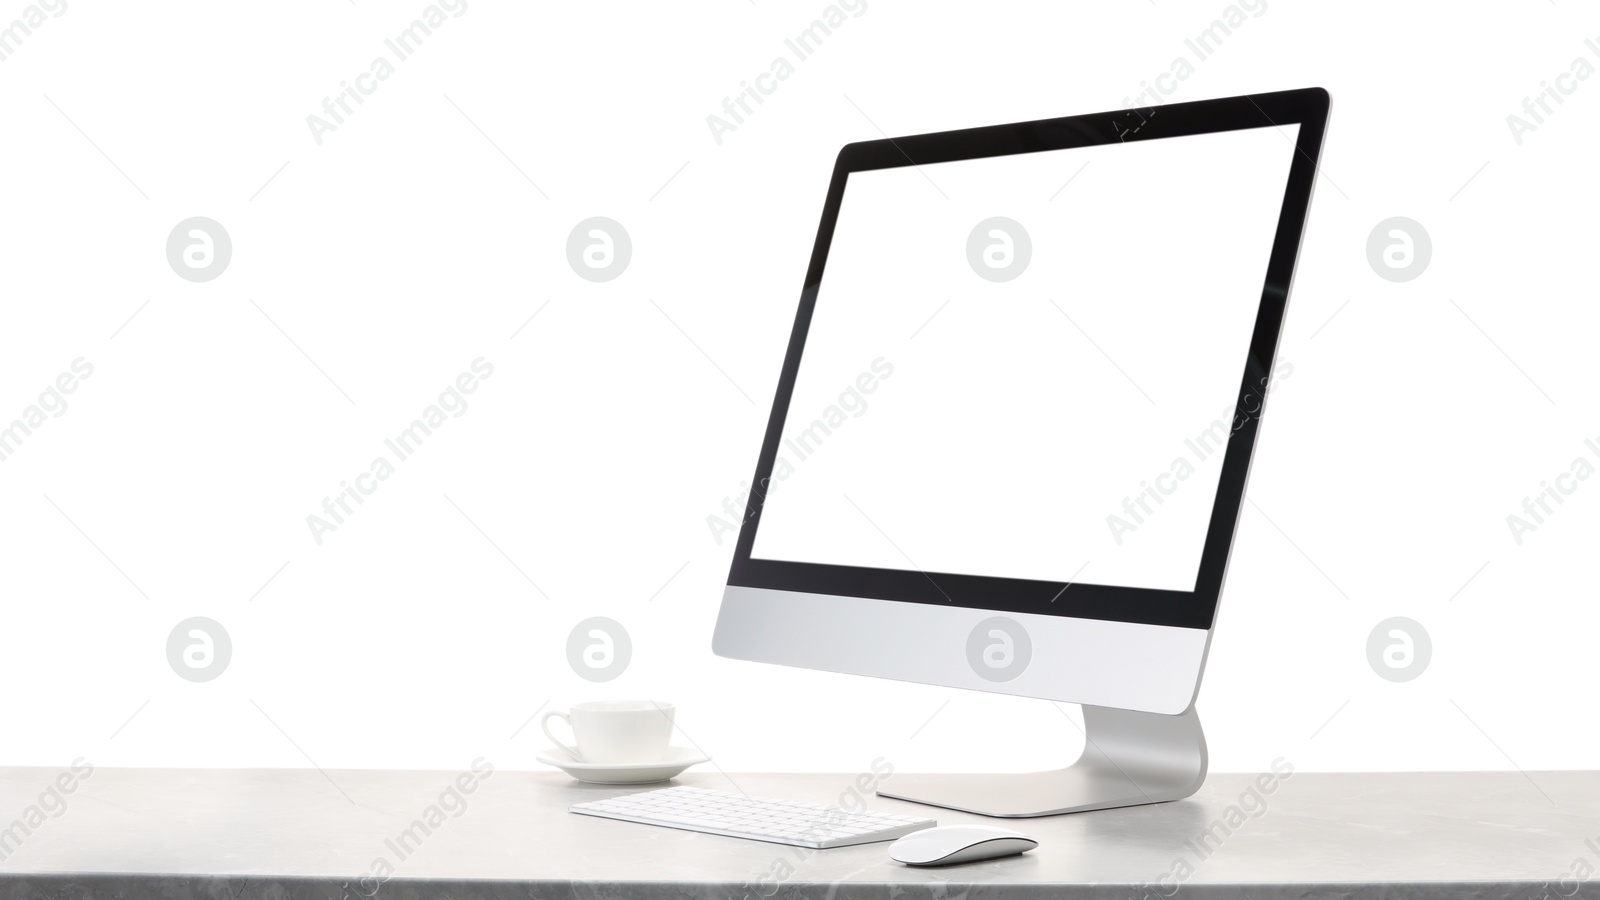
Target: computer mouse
(953, 844)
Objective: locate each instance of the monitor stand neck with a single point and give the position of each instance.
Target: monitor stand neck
(1129, 759)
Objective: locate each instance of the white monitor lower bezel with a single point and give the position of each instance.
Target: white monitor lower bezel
(1149, 668)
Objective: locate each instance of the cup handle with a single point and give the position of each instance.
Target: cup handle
(544, 725)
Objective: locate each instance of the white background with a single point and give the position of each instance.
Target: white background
(406, 245)
(1022, 413)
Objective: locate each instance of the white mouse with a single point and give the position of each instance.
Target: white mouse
(953, 844)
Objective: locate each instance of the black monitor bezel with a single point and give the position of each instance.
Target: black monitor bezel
(1307, 107)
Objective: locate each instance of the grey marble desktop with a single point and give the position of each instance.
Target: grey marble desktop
(134, 834)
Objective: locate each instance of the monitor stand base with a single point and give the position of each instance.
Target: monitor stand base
(1129, 759)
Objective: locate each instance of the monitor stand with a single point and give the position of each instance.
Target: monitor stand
(1130, 758)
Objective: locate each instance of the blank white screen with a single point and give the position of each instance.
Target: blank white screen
(1009, 424)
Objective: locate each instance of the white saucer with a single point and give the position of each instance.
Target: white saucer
(678, 759)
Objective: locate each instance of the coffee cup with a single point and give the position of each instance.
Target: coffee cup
(614, 731)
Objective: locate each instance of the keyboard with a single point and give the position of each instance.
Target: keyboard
(812, 825)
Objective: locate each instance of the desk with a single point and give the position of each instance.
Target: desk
(134, 834)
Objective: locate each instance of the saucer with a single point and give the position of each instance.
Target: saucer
(678, 759)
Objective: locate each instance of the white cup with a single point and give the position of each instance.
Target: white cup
(615, 731)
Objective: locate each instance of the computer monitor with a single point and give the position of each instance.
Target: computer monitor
(1012, 432)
